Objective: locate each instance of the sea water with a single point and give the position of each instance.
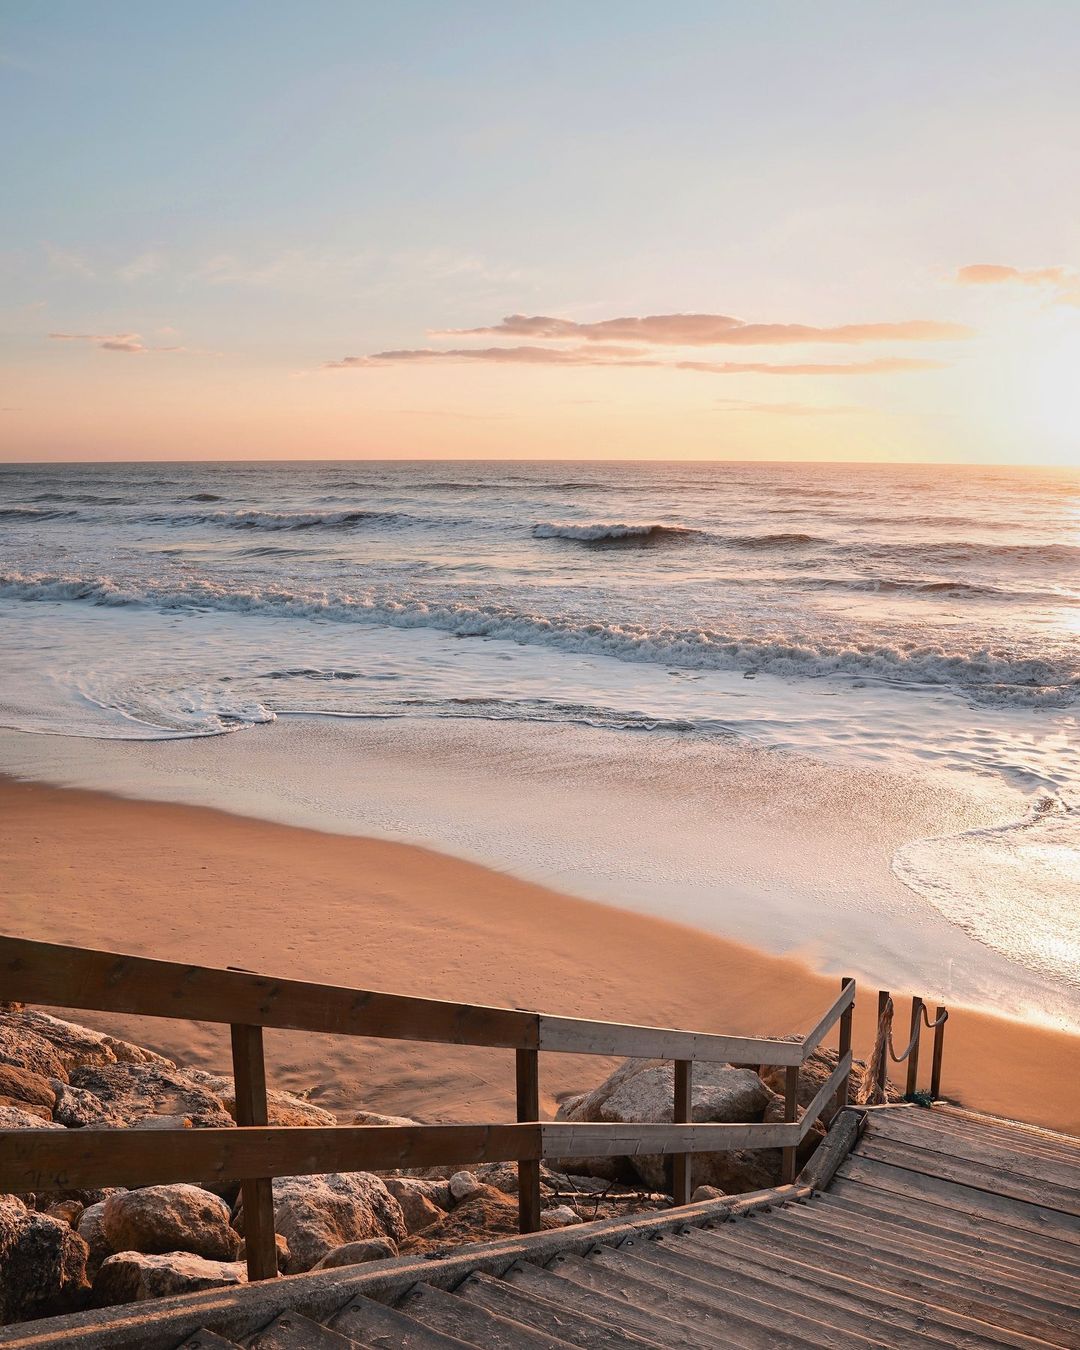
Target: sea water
(826, 708)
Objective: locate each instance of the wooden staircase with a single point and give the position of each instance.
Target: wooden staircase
(938, 1228)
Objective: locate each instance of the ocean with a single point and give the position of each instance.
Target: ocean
(821, 708)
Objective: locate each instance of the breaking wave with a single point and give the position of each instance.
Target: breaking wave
(599, 532)
(994, 675)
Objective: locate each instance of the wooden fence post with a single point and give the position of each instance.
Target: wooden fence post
(939, 1046)
(845, 1044)
(528, 1109)
(249, 1086)
(883, 1066)
(682, 1163)
(791, 1115)
(913, 1057)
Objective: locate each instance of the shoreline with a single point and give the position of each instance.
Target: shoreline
(198, 884)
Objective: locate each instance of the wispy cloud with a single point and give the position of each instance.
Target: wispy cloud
(69, 262)
(706, 330)
(621, 356)
(131, 343)
(1063, 282)
(145, 264)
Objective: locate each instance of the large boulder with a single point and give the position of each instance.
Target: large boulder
(318, 1213)
(148, 1094)
(42, 1264)
(53, 1047)
(357, 1253)
(15, 1116)
(76, 1108)
(131, 1277)
(641, 1091)
(92, 1232)
(419, 1207)
(178, 1218)
(283, 1108)
(375, 1118)
(24, 1085)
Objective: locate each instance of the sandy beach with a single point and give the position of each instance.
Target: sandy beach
(199, 885)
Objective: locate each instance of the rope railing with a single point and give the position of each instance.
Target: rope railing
(872, 1089)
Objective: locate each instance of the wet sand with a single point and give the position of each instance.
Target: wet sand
(198, 885)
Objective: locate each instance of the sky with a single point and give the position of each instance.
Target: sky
(474, 229)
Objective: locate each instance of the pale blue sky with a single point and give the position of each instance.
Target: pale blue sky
(273, 186)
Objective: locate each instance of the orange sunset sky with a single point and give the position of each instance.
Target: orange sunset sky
(719, 230)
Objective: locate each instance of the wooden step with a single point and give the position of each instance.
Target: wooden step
(926, 1129)
(906, 1256)
(918, 1186)
(726, 1324)
(783, 1325)
(963, 1222)
(383, 1328)
(938, 1319)
(508, 1300)
(677, 1257)
(996, 1178)
(927, 1239)
(1034, 1135)
(291, 1331)
(906, 1318)
(975, 1297)
(613, 1310)
(457, 1317)
(208, 1340)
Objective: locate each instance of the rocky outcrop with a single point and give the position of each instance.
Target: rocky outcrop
(139, 1093)
(316, 1214)
(17, 1117)
(487, 1214)
(357, 1253)
(42, 1264)
(374, 1118)
(419, 1206)
(283, 1108)
(131, 1277)
(180, 1218)
(25, 1087)
(52, 1047)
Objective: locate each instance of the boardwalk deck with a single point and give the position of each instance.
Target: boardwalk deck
(940, 1228)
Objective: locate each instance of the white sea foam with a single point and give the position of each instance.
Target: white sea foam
(601, 531)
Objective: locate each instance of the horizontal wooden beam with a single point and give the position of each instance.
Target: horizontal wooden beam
(814, 1038)
(49, 1160)
(577, 1036)
(76, 977)
(824, 1095)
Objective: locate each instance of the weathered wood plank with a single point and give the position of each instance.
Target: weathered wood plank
(963, 1198)
(573, 1035)
(814, 1038)
(789, 1160)
(45, 1160)
(249, 1088)
(824, 1095)
(572, 1139)
(833, 1149)
(950, 1168)
(528, 1109)
(76, 977)
(682, 1113)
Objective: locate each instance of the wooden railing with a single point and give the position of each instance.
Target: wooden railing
(74, 977)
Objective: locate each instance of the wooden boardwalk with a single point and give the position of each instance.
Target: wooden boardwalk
(939, 1228)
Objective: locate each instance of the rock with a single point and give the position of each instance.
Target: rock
(316, 1214)
(92, 1232)
(283, 1108)
(42, 1264)
(77, 1108)
(603, 1167)
(484, 1216)
(418, 1209)
(568, 1105)
(464, 1185)
(139, 1093)
(24, 1085)
(19, 1118)
(438, 1192)
(72, 1046)
(282, 1252)
(706, 1193)
(27, 1108)
(373, 1118)
(67, 1211)
(180, 1218)
(559, 1216)
(587, 1106)
(131, 1277)
(356, 1253)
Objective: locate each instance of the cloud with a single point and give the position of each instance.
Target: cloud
(742, 405)
(706, 330)
(1063, 281)
(132, 343)
(145, 265)
(618, 356)
(68, 263)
